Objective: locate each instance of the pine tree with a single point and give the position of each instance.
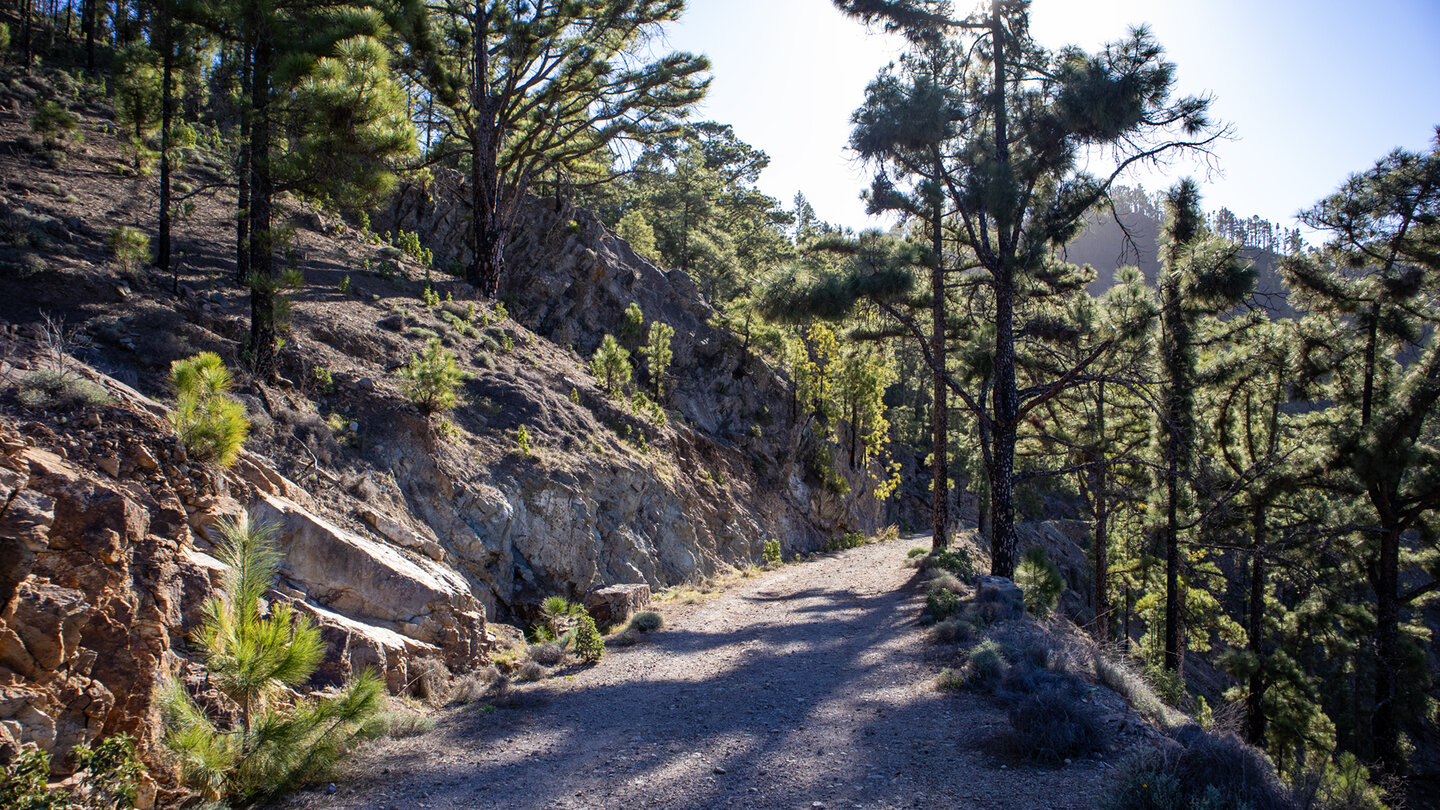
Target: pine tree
(313, 79)
(658, 355)
(1017, 194)
(528, 90)
(1201, 276)
(1374, 341)
(611, 365)
(254, 659)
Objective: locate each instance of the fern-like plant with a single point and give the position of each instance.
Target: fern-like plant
(253, 657)
(431, 378)
(210, 424)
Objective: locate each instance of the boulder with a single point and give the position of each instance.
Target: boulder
(617, 603)
(999, 591)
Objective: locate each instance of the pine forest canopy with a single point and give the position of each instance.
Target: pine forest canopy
(1248, 427)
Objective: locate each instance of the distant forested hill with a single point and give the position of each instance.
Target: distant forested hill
(1130, 236)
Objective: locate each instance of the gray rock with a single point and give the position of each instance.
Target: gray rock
(617, 603)
(1001, 591)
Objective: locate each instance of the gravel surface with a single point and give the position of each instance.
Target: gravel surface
(805, 687)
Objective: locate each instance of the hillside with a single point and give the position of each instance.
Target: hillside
(404, 533)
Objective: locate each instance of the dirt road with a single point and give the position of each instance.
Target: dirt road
(804, 687)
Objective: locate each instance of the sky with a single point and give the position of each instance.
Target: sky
(1314, 91)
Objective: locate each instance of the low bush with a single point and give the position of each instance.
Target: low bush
(211, 425)
(985, 666)
(918, 551)
(955, 561)
(647, 621)
(51, 389)
(845, 541)
(952, 631)
(107, 776)
(941, 604)
(1052, 724)
(946, 581)
(531, 671)
(130, 249)
(547, 653)
(1205, 772)
(406, 722)
(770, 552)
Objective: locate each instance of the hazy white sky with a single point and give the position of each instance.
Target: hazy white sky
(1315, 90)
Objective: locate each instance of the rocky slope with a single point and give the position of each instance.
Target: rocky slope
(402, 532)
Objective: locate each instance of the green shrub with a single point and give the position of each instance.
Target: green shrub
(658, 354)
(985, 665)
(107, 776)
(130, 249)
(1342, 783)
(409, 242)
(918, 551)
(49, 388)
(955, 561)
(211, 425)
(845, 541)
(277, 742)
(941, 604)
(632, 324)
(589, 644)
(558, 616)
(522, 441)
(646, 621)
(770, 552)
(431, 379)
(55, 125)
(1038, 577)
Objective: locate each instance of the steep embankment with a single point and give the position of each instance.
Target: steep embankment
(402, 532)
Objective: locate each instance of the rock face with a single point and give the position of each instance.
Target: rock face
(104, 569)
(520, 533)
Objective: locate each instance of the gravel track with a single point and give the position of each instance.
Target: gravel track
(808, 684)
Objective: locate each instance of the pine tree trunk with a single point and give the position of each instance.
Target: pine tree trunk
(1100, 481)
(1385, 722)
(1007, 397)
(263, 329)
(939, 410)
(488, 227)
(242, 170)
(87, 22)
(167, 113)
(1255, 699)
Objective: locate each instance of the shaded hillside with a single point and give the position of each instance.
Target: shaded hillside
(1131, 236)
